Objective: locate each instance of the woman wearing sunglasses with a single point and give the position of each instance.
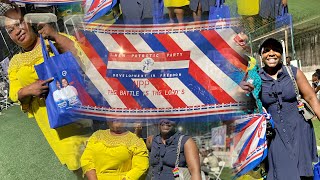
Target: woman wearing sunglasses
(293, 149)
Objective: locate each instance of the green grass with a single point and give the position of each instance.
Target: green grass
(316, 125)
(24, 152)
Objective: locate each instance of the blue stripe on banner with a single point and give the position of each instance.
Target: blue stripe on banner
(213, 54)
(187, 80)
(198, 90)
(97, 45)
(153, 42)
(136, 93)
(92, 90)
(168, 73)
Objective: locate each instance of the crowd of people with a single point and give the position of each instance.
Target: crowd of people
(117, 153)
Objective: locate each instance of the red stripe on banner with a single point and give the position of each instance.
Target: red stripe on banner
(253, 157)
(212, 87)
(85, 98)
(174, 100)
(239, 135)
(159, 84)
(96, 60)
(225, 50)
(124, 43)
(245, 153)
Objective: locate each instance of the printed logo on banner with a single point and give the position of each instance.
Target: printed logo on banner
(148, 65)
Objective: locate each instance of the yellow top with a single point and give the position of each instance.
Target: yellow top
(67, 142)
(176, 3)
(248, 7)
(115, 157)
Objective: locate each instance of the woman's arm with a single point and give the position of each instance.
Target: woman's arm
(140, 161)
(149, 142)
(307, 92)
(39, 88)
(91, 175)
(62, 42)
(193, 160)
(86, 160)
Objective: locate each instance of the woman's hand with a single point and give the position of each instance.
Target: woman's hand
(39, 88)
(47, 31)
(246, 86)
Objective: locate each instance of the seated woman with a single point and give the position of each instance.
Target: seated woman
(164, 152)
(115, 153)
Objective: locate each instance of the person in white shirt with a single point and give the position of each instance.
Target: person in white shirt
(70, 92)
(57, 94)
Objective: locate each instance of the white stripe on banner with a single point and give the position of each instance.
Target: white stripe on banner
(187, 96)
(201, 60)
(108, 42)
(158, 100)
(139, 43)
(225, 34)
(245, 136)
(156, 66)
(258, 136)
(174, 83)
(100, 83)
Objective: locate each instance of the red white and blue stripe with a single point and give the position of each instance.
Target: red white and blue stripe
(94, 9)
(250, 143)
(195, 70)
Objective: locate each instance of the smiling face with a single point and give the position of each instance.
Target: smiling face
(271, 57)
(19, 31)
(58, 85)
(167, 127)
(64, 82)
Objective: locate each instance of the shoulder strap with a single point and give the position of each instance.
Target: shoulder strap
(294, 81)
(178, 151)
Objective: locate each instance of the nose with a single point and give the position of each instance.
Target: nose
(17, 31)
(271, 53)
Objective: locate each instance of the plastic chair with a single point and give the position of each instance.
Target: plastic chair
(216, 174)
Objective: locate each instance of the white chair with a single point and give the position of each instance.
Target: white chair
(216, 174)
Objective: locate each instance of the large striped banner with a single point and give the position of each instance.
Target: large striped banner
(189, 70)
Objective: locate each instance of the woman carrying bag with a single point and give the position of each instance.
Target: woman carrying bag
(26, 88)
(293, 149)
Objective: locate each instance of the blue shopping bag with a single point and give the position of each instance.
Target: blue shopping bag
(63, 95)
(220, 13)
(284, 19)
(316, 171)
(157, 10)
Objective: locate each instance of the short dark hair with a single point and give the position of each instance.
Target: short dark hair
(271, 42)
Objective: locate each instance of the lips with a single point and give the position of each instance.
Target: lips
(21, 37)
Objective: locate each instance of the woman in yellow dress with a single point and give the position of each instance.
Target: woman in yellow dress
(176, 9)
(25, 87)
(115, 154)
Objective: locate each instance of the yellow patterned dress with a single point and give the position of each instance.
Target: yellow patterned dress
(115, 157)
(67, 142)
(248, 7)
(176, 3)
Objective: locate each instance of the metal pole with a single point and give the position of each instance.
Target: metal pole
(5, 42)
